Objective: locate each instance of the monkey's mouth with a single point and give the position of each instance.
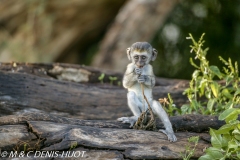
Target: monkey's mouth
(140, 66)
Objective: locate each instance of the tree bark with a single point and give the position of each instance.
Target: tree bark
(191, 122)
(36, 87)
(98, 138)
(138, 20)
(62, 107)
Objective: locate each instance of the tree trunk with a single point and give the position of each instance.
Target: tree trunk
(43, 31)
(101, 139)
(138, 20)
(45, 104)
(53, 89)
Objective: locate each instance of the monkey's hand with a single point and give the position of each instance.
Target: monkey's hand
(170, 134)
(138, 71)
(141, 79)
(130, 120)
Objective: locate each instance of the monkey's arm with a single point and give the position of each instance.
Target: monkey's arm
(130, 77)
(147, 78)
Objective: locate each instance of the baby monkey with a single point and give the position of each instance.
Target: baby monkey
(138, 72)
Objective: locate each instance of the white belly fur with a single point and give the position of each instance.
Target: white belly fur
(136, 88)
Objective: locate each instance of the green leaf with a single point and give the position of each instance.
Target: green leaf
(226, 93)
(228, 105)
(206, 157)
(235, 122)
(185, 108)
(227, 113)
(170, 98)
(228, 79)
(195, 74)
(193, 64)
(225, 129)
(216, 139)
(236, 131)
(193, 139)
(202, 86)
(228, 137)
(225, 140)
(216, 71)
(214, 87)
(210, 104)
(237, 92)
(208, 94)
(238, 155)
(232, 144)
(215, 153)
(237, 137)
(223, 60)
(112, 78)
(195, 105)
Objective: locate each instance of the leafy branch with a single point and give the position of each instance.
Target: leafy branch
(219, 96)
(222, 97)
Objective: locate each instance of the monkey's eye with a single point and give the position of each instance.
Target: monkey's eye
(144, 57)
(135, 57)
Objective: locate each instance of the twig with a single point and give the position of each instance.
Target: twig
(149, 107)
(143, 122)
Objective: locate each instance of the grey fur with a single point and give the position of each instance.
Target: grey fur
(141, 47)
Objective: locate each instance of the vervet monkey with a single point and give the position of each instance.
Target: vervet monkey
(138, 72)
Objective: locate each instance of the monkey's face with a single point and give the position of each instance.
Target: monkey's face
(141, 53)
(140, 58)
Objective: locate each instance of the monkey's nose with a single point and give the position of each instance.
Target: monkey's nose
(140, 64)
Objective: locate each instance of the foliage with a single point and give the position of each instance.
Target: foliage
(188, 150)
(208, 96)
(119, 83)
(112, 79)
(101, 77)
(169, 106)
(219, 95)
(226, 140)
(216, 17)
(73, 145)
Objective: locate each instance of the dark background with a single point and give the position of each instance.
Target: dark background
(84, 32)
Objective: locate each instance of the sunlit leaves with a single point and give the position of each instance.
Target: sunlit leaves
(216, 139)
(219, 97)
(215, 88)
(210, 104)
(226, 93)
(216, 71)
(229, 114)
(215, 153)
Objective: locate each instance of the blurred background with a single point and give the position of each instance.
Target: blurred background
(97, 33)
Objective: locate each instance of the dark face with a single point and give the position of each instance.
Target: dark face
(140, 59)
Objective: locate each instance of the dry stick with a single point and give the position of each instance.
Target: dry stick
(143, 118)
(150, 109)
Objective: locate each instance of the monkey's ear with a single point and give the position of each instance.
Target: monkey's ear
(154, 54)
(129, 53)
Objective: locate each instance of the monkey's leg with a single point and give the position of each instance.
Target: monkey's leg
(135, 106)
(160, 112)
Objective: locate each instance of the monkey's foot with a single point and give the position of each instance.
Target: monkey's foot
(171, 136)
(130, 120)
